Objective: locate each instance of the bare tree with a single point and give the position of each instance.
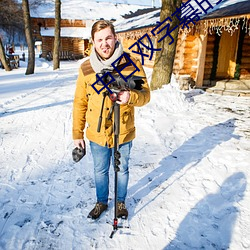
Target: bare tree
(28, 33)
(56, 59)
(164, 59)
(11, 24)
(11, 16)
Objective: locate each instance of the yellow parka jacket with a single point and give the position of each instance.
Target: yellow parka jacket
(87, 106)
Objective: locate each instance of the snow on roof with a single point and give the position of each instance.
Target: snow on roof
(145, 20)
(80, 32)
(150, 19)
(38, 42)
(85, 10)
(235, 8)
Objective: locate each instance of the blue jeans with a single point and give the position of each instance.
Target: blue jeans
(102, 158)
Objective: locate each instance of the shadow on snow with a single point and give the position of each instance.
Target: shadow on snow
(215, 221)
(209, 225)
(23, 110)
(190, 153)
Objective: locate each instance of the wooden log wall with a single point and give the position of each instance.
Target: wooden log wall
(73, 45)
(128, 38)
(127, 43)
(190, 56)
(66, 44)
(187, 49)
(79, 46)
(47, 45)
(50, 22)
(179, 59)
(209, 57)
(245, 61)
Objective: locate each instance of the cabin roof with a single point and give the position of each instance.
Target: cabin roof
(236, 9)
(151, 17)
(77, 32)
(139, 21)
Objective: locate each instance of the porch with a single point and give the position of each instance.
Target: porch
(231, 87)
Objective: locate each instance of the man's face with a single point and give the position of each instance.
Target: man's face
(104, 42)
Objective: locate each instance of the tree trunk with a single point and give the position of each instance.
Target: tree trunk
(29, 38)
(3, 57)
(164, 59)
(56, 59)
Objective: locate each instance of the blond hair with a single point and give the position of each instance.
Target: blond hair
(100, 25)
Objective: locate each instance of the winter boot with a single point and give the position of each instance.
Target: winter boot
(122, 211)
(97, 210)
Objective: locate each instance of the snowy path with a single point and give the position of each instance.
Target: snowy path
(189, 171)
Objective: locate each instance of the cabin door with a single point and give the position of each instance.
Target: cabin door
(227, 55)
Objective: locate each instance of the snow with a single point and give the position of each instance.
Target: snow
(151, 18)
(84, 33)
(189, 169)
(156, 3)
(148, 19)
(86, 10)
(227, 3)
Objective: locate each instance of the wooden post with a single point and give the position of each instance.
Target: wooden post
(201, 60)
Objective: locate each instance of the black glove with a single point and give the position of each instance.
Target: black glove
(138, 84)
(78, 153)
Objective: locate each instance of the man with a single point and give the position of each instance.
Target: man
(87, 106)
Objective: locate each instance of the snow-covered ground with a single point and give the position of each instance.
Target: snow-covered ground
(189, 170)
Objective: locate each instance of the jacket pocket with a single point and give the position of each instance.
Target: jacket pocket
(127, 120)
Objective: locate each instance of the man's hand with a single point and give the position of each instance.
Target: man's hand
(79, 143)
(79, 151)
(123, 97)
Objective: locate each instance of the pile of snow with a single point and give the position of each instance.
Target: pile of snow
(189, 169)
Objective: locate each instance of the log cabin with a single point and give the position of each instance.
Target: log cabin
(74, 41)
(214, 50)
(77, 17)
